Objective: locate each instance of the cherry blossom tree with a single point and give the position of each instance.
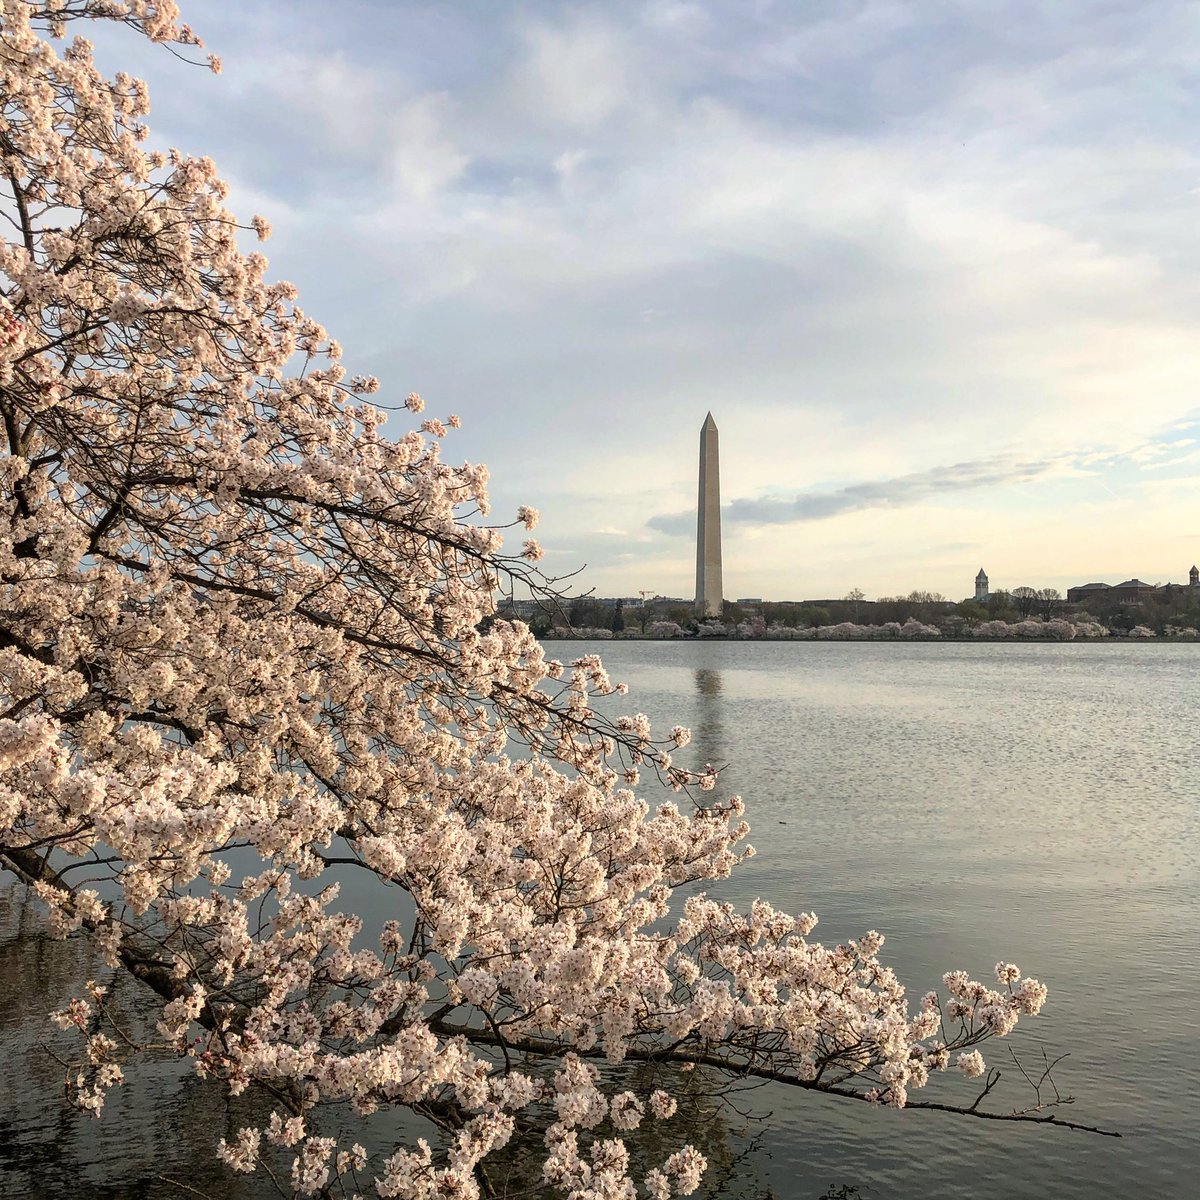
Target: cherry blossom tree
(242, 661)
(665, 629)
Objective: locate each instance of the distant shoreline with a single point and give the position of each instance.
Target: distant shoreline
(1113, 639)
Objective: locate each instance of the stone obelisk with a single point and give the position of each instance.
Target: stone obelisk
(708, 525)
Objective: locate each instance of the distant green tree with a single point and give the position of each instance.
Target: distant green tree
(1050, 602)
(854, 598)
(971, 612)
(1121, 618)
(618, 621)
(586, 613)
(1025, 599)
(732, 613)
(893, 608)
(928, 607)
(1000, 607)
(781, 614)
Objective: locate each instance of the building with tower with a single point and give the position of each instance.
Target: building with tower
(981, 586)
(709, 585)
(1134, 591)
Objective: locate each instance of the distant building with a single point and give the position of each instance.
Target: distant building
(981, 586)
(1178, 591)
(830, 601)
(1133, 591)
(1085, 592)
(749, 600)
(521, 609)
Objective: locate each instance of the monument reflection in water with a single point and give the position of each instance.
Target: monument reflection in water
(708, 743)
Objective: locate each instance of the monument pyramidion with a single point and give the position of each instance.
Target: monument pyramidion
(708, 525)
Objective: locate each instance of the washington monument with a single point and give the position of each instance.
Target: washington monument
(708, 525)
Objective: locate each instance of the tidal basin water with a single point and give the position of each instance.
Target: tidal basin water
(1032, 803)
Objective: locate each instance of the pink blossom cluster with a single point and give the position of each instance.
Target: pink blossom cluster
(911, 630)
(240, 621)
(845, 631)
(664, 629)
(1056, 629)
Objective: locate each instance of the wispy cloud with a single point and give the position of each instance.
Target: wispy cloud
(881, 493)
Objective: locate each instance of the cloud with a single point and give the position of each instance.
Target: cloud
(869, 236)
(573, 74)
(1182, 460)
(424, 159)
(902, 491)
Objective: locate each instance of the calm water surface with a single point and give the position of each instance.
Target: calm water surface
(1036, 803)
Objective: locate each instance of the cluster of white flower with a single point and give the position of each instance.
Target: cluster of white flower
(665, 629)
(1055, 630)
(845, 631)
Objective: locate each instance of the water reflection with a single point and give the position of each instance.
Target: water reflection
(161, 1126)
(729, 1139)
(708, 730)
(708, 681)
(156, 1137)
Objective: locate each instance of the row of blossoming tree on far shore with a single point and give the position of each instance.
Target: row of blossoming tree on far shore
(1055, 630)
(1023, 613)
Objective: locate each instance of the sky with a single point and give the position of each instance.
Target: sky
(932, 267)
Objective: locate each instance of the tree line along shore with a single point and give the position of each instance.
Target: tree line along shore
(1022, 615)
